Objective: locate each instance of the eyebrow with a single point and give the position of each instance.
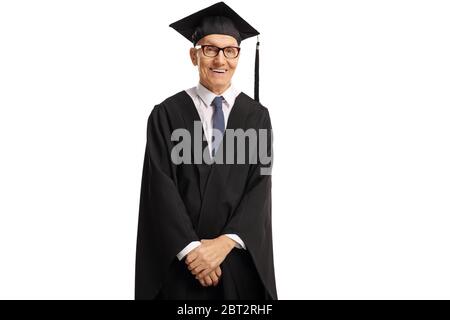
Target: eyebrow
(212, 44)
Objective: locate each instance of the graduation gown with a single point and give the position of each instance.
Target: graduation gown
(188, 202)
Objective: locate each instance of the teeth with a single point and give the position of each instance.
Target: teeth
(218, 70)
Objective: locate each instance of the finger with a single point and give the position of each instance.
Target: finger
(218, 272)
(191, 257)
(194, 264)
(208, 281)
(197, 270)
(202, 282)
(204, 273)
(214, 278)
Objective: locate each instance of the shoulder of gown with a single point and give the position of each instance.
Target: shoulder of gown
(178, 100)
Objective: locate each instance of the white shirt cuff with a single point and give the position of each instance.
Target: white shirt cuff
(191, 246)
(239, 243)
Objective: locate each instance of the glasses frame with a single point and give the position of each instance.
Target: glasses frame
(203, 46)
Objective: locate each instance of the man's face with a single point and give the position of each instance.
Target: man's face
(215, 72)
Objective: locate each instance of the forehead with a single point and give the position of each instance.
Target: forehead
(220, 40)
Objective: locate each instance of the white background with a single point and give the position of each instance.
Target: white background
(358, 92)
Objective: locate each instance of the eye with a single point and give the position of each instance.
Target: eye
(231, 52)
(210, 51)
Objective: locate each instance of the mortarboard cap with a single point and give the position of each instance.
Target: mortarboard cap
(218, 19)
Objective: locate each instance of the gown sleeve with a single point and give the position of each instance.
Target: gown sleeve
(164, 226)
(252, 218)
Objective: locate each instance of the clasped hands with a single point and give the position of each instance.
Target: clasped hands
(204, 261)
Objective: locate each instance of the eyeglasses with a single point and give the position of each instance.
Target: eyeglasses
(213, 51)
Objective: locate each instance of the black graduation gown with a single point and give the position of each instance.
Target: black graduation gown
(187, 202)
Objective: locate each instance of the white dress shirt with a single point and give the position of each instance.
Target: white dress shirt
(203, 99)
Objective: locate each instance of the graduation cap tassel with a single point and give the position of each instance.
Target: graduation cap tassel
(257, 70)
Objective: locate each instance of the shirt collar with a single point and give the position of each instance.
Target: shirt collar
(207, 96)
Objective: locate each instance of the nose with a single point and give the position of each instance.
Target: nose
(220, 58)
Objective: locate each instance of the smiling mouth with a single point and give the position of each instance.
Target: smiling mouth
(219, 71)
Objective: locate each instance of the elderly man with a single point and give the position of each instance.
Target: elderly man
(205, 227)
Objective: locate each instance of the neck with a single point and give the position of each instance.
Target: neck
(218, 90)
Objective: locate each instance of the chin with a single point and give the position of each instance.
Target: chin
(219, 82)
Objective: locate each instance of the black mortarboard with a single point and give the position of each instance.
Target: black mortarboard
(218, 19)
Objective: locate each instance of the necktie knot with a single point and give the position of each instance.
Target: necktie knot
(217, 102)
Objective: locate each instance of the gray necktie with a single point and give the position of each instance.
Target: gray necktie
(218, 122)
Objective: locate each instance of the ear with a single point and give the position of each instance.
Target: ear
(193, 55)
